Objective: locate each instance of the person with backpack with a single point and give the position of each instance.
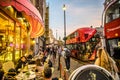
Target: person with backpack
(59, 56)
(67, 58)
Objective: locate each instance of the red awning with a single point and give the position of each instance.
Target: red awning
(31, 13)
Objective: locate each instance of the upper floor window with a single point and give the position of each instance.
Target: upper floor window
(113, 12)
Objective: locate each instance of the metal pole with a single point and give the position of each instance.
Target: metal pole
(64, 25)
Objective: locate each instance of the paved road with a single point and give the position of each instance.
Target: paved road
(74, 65)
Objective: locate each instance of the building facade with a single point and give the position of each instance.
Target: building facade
(17, 28)
(41, 6)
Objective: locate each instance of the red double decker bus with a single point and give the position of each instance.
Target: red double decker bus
(82, 43)
(111, 25)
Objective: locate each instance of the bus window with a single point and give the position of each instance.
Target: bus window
(86, 36)
(112, 43)
(113, 13)
(76, 34)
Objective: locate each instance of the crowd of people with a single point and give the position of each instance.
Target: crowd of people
(44, 61)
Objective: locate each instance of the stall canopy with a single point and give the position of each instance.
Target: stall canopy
(31, 13)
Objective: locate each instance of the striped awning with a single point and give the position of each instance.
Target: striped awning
(31, 14)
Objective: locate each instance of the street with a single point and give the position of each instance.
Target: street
(74, 64)
(89, 29)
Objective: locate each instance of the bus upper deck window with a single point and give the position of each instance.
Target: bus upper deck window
(86, 36)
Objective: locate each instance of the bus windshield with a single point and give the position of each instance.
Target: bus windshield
(113, 12)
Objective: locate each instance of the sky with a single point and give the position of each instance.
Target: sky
(79, 13)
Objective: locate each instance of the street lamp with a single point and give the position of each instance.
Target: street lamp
(64, 9)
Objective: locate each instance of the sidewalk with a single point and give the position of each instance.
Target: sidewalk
(74, 64)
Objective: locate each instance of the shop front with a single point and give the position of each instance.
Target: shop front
(19, 24)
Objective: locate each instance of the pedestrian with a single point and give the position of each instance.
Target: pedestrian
(48, 62)
(30, 57)
(21, 63)
(39, 65)
(38, 53)
(67, 58)
(59, 55)
(54, 54)
(1, 71)
(51, 50)
(47, 73)
(105, 61)
(48, 50)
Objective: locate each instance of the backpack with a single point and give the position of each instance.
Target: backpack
(67, 53)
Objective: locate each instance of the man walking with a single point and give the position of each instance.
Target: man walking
(67, 58)
(59, 55)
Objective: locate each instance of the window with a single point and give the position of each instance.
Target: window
(86, 36)
(113, 12)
